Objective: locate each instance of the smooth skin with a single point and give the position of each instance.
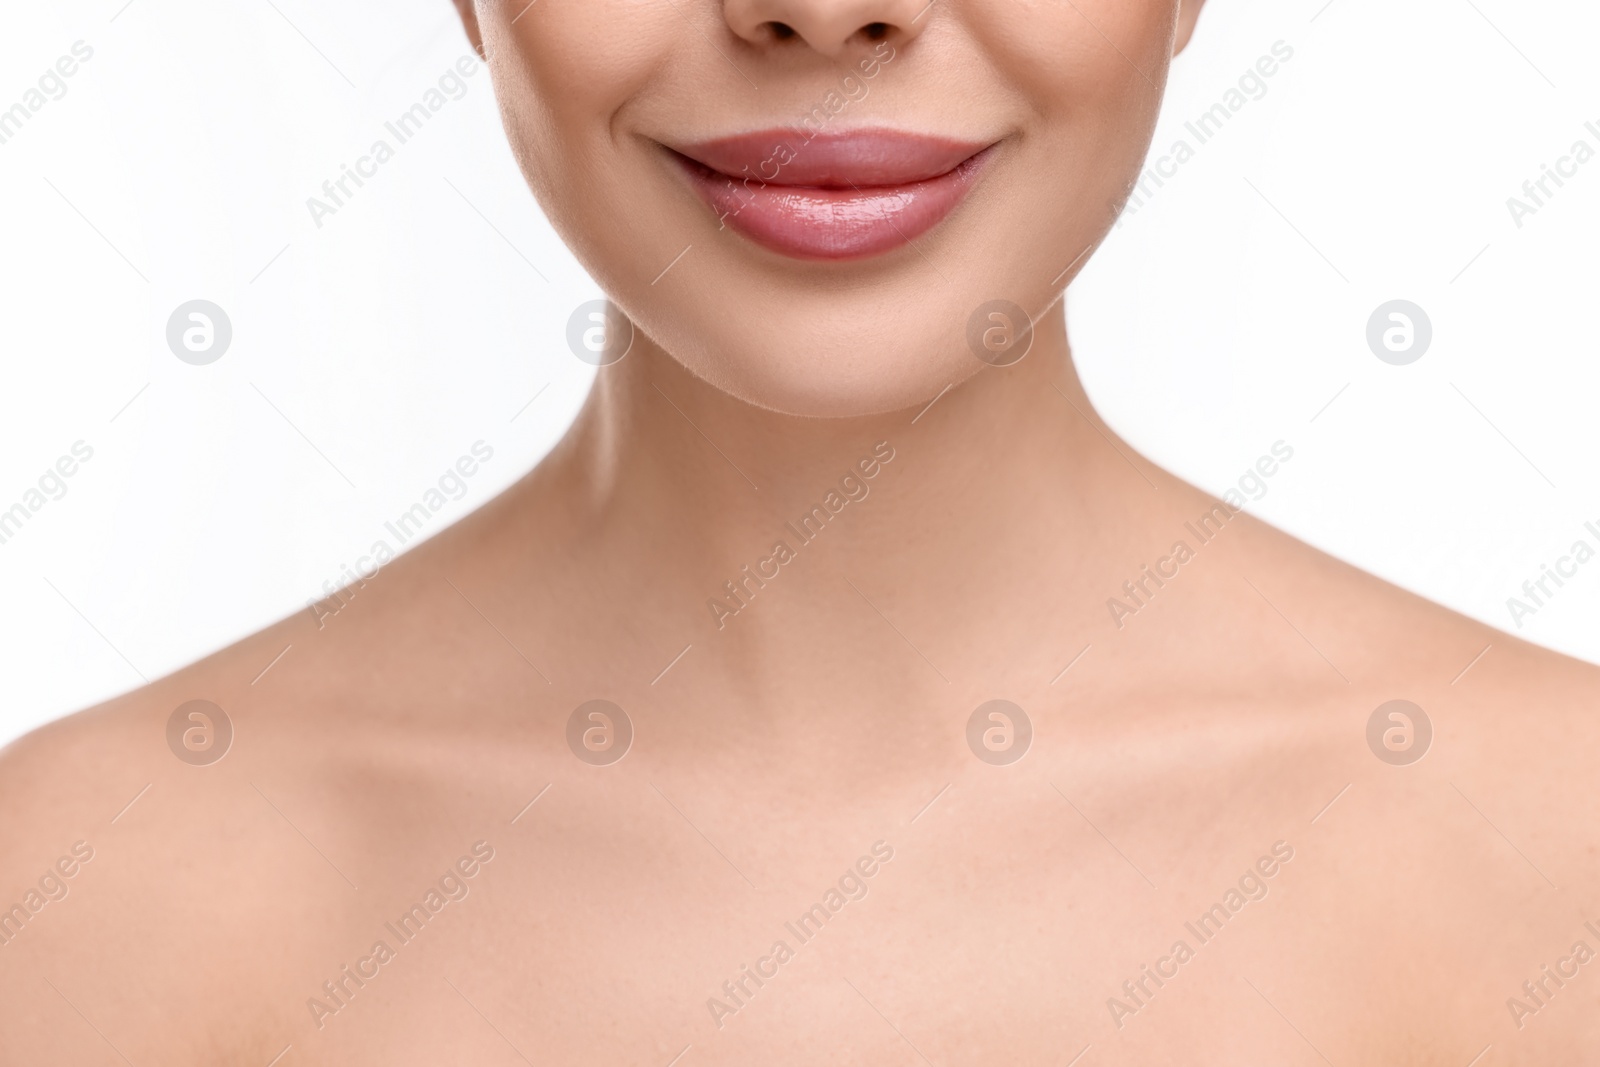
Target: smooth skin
(773, 751)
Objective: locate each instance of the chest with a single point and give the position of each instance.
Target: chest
(997, 932)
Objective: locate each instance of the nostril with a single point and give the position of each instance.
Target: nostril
(781, 30)
(875, 31)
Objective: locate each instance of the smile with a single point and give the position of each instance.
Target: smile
(832, 196)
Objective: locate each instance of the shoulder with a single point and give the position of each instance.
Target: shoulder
(1445, 784)
(1373, 628)
(137, 826)
(73, 773)
(1512, 720)
(213, 830)
(97, 775)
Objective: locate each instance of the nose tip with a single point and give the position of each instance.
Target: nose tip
(829, 27)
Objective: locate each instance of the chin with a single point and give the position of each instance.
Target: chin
(814, 356)
(839, 384)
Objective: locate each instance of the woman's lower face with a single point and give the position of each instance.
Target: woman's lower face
(817, 206)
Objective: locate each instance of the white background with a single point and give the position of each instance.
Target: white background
(369, 354)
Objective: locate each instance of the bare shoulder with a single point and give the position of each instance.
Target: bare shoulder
(1441, 773)
(231, 825)
(67, 772)
(125, 866)
(77, 776)
(1511, 725)
(1381, 628)
(198, 830)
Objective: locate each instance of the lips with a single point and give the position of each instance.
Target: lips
(835, 195)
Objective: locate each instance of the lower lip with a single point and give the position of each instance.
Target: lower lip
(808, 222)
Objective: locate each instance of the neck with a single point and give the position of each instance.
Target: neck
(982, 528)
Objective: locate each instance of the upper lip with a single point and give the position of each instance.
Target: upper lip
(832, 159)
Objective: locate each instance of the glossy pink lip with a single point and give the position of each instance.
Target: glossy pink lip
(837, 195)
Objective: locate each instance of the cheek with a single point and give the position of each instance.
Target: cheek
(1050, 44)
(577, 84)
(596, 48)
(1092, 71)
(562, 71)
